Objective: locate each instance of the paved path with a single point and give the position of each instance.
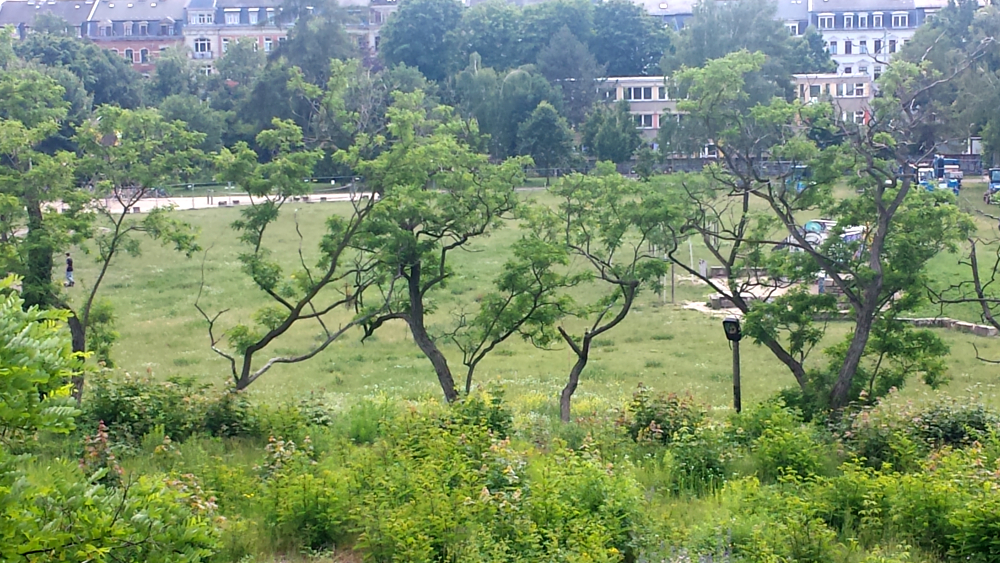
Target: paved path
(211, 202)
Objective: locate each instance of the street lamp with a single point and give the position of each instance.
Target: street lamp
(731, 325)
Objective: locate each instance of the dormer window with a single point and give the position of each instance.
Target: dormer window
(848, 21)
(143, 28)
(862, 21)
(232, 18)
(825, 21)
(201, 18)
(127, 28)
(253, 16)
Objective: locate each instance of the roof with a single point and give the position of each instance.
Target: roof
(248, 3)
(16, 12)
(789, 10)
(200, 4)
(821, 6)
(667, 7)
(138, 10)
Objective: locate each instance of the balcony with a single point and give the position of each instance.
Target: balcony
(203, 55)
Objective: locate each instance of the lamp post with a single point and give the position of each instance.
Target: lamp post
(732, 327)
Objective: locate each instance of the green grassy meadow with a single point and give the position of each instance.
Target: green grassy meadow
(660, 344)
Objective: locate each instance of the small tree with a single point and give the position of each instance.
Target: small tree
(611, 134)
(312, 293)
(437, 197)
(610, 222)
(546, 138)
(126, 156)
(896, 229)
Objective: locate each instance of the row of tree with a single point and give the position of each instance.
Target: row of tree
(439, 190)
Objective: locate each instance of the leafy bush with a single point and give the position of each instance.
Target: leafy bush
(948, 423)
(36, 363)
(55, 513)
(660, 418)
(977, 529)
(132, 406)
(787, 451)
(699, 458)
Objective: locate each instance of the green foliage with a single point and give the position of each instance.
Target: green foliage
(545, 137)
(101, 333)
(662, 417)
(132, 407)
(36, 363)
(423, 35)
(566, 63)
(54, 513)
(610, 134)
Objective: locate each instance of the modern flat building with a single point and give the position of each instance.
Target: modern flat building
(849, 95)
(138, 30)
(647, 97)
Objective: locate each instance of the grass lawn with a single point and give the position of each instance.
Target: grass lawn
(660, 344)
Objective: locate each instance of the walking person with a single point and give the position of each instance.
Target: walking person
(69, 270)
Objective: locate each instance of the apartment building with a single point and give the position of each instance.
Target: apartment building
(849, 95)
(138, 30)
(211, 26)
(862, 36)
(647, 97)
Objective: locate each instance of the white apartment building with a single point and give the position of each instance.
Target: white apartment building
(863, 35)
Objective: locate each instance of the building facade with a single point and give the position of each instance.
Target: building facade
(211, 26)
(850, 95)
(138, 30)
(647, 97)
(862, 36)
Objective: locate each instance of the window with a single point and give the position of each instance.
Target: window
(115, 51)
(826, 22)
(163, 49)
(848, 70)
(127, 28)
(144, 55)
(877, 71)
(876, 20)
(848, 48)
(129, 56)
(143, 29)
(163, 28)
(202, 45)
(105, 31)
(878, 46)
(814, 90)
(840, 89)
(201, 18)
(859, 89)
(206, 70)
(253, 17)
(793, 28)
(375, 17)
(862, 21)
(232, 18)
(644, 121)
(826, 88)
(848, 89)
(663, 92)
(900, 20)
(832, 47)
(639, 93)
(848, 21)
(863, 70)
(859, 117)
(892, 45)
(225, 44)
(267, 44)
